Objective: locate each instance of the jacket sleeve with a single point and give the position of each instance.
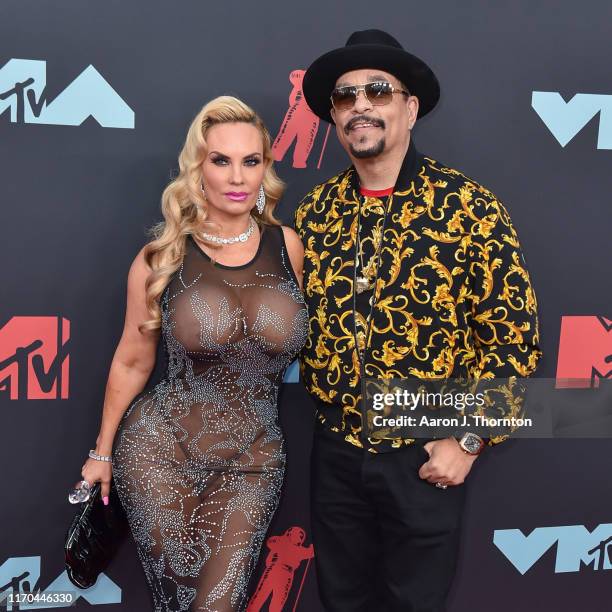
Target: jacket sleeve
(502, 310)
(304, 206)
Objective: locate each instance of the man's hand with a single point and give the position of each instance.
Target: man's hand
(448, 464)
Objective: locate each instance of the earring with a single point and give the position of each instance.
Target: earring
(202, 189)
(261, 200)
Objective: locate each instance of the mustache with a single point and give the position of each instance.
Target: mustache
(373, 120)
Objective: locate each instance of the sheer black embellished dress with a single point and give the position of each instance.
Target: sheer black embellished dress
(198, 461)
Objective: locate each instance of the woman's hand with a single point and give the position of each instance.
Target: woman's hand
(98, 471)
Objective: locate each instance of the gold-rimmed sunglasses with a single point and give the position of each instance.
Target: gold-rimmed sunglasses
(378, 93)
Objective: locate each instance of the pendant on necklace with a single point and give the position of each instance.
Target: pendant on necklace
(362, 284)
(361, 341)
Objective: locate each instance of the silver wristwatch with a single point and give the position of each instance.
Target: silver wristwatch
(471, 444)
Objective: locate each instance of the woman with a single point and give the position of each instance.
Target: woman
(198, 461)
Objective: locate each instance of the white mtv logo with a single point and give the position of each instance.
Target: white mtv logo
(566, 119)
(23, 91)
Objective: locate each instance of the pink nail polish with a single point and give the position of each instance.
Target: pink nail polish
(105, 500)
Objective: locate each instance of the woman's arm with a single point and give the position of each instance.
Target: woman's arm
(134, 357)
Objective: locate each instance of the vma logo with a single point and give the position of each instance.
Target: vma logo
(34, 361)
(23, 86)
(566, 119)
(577, 547)
(585, 352)
(21, 576)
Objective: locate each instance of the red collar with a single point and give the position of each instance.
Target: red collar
(375, 193)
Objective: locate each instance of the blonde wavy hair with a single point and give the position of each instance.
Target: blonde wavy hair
(184, 207)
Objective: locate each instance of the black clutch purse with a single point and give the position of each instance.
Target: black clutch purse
(93, 537)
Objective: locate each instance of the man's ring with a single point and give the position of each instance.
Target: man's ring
(440, 485)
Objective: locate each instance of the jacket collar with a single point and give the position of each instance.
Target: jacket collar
(408, 170)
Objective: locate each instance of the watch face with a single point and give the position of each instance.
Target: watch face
(472, 443)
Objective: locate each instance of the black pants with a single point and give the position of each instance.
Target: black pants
(384, 539)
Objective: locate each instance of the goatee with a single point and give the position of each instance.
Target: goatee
(372, 151)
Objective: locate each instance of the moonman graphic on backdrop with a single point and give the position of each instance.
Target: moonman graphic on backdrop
(412, 270)
(300, 125)
(287, 553)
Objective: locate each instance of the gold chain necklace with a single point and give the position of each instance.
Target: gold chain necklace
(365, 281)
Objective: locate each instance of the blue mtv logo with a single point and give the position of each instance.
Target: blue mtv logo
(577, 547)
(20, 575)
(566, 119)
(23, 86)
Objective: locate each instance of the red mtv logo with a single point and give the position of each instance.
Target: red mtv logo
(34, 361)
(300, 125)
(585, 352)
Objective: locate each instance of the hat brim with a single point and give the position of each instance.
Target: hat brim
(320, 78)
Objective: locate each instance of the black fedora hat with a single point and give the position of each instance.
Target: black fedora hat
(369, 49)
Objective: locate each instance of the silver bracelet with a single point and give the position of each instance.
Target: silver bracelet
(92, 454)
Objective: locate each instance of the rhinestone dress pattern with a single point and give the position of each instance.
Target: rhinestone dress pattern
(199, 460)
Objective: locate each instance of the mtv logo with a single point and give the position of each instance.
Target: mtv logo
(21, 575)
(577, 547)
(34, 361)
(23, 86)
(566, 119)
(585, 352)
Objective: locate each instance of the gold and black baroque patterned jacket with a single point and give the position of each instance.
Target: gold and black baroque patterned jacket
(452, 298)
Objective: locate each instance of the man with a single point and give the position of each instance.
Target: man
(412, 270)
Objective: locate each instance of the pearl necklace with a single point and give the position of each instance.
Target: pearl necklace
(241, 238)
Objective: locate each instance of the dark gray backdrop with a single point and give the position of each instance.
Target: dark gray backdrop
(77, 200)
